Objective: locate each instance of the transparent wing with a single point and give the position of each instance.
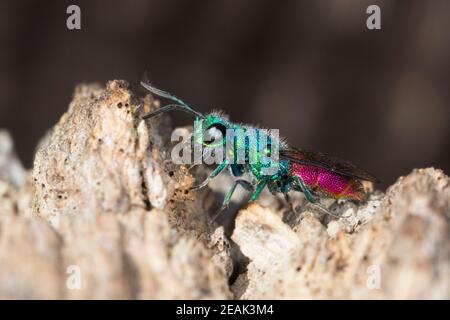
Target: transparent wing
(318, 159)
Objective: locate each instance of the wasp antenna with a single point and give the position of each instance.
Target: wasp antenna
(181, 105)
(145, 77)
(161, 93)
(171, 107)
(218, 213)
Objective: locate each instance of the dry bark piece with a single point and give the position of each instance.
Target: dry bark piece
(95, 178)
(109, 208)
(85, 166)
(30, 258)
(11, 170)
(138, 256)
(400, 248)
(15, 190)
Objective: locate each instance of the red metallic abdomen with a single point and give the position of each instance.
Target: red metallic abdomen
(329, 182)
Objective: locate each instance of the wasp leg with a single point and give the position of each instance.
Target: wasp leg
(310, 197)
(259, 188)
(244, 184)
(306, 191)
(214, 174)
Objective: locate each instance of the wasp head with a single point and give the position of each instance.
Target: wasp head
(211, 130)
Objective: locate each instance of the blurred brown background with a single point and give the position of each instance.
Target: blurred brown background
(309, 68)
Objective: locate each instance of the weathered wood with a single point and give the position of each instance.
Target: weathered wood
(104, 215)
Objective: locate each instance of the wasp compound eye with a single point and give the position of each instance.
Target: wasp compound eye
(214, 133)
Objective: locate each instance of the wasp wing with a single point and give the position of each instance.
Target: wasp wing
(318, 159)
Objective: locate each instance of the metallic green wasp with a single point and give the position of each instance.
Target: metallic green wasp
(313, 173)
